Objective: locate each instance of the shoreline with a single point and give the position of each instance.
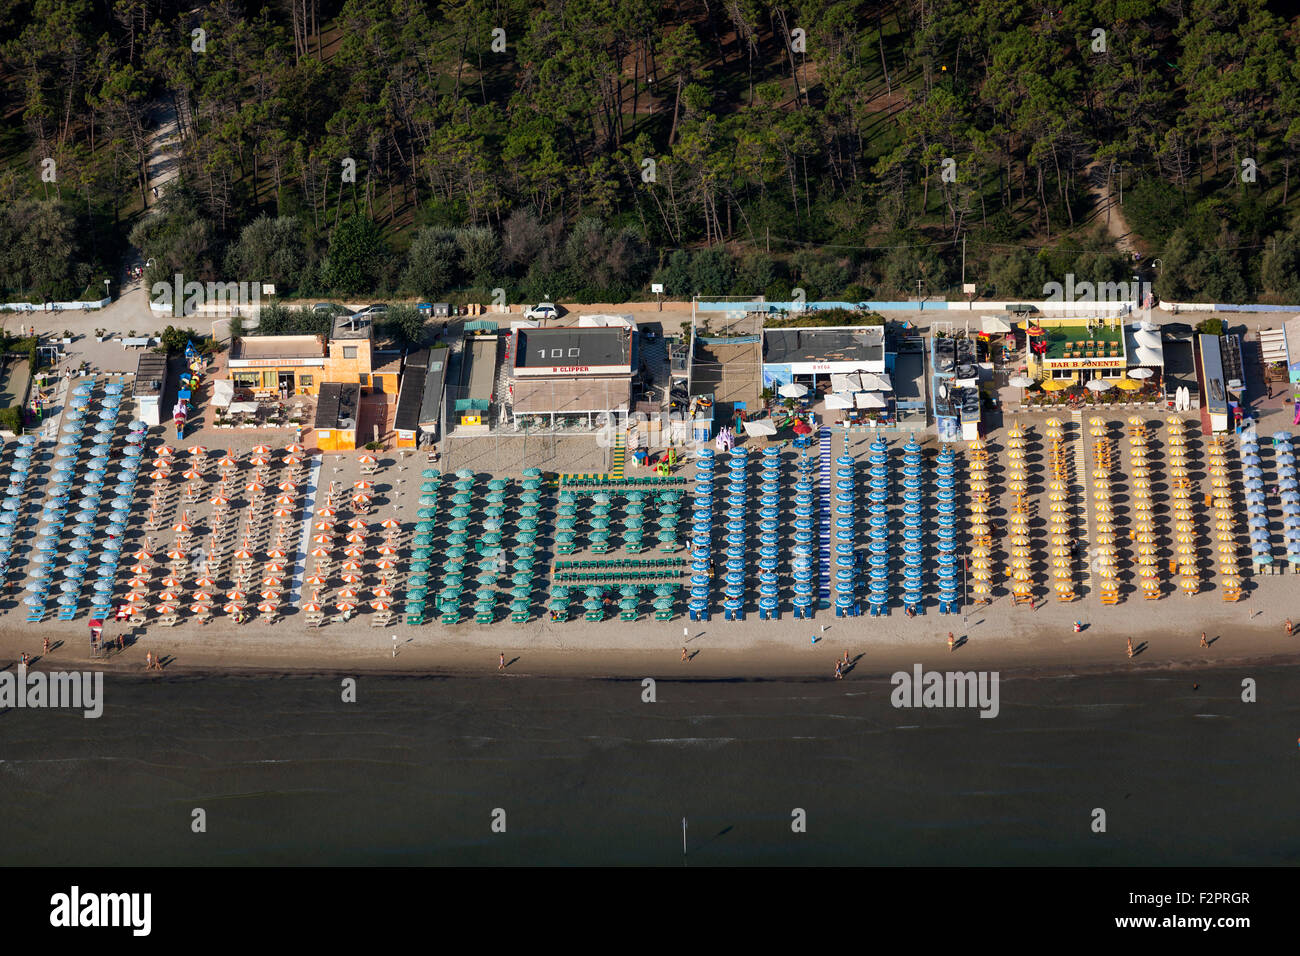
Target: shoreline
(759, 662)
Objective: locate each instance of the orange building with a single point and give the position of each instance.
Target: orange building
(301, 364)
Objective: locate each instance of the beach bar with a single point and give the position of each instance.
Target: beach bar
(582, 373)
(1076, 350)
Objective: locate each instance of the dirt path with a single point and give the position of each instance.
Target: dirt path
(1108, 209)
(164, 149)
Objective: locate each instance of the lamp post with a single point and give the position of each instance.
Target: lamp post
(107, 294)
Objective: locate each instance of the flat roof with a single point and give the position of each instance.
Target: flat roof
(337, 402)
(261, 347)
(1180, 359)
(571, 395)
(150, 376)
(849, 344)
(1078, 338)
(435, 377)
(605, 347)
(411, 392)
(1216, 396)
(909, 377)
(345, 329)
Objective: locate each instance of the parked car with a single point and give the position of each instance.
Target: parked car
(331, 308)
(373, 311)
(542, 310)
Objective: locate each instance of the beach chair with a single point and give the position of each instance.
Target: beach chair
(168, 620)
(483, 617)
(519, 617)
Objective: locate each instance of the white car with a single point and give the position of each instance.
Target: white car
(542, 310)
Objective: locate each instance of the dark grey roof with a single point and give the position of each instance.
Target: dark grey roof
(150, 375)
(411, 393)
(337, 405)
(327, 404)
(591, 347)
(435, 377)
(1180, 359)
(781, 346)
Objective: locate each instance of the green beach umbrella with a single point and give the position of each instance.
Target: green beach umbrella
(532, 472)
(461, 512)
(464, 498)
(423, 527)
(520, 607)
(498, 484)
(430, 473)
(593, 604)
(530, 497)
(594, 592)
(666, 536)
(628, 590)
(429, 487)
(629, 604)
(663, 604)
(427, 512)
(485, 594)
(427, 500)
(464, 473)
(496, 497)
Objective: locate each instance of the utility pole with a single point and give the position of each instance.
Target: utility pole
(963, 260)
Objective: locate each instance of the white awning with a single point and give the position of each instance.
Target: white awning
(223, 392)
(760, 427)
(1145, 356)
(839, 400)
(861, 381)
(994, 325)
(869, 400)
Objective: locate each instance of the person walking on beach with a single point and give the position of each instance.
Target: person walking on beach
(839, 674)
(1204, 642)
(148, 660)
(501, 664)
(1130, 647)
(1289, 627)
(951, 641)
(45, 648)
(846, 658)
(684, 657)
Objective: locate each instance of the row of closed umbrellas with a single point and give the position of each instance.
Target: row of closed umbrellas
(1225, 546)
(50, 540)
(1144, 531)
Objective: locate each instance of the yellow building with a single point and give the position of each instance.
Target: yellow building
(1076, 349)
(337, 410)
(301, 364)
